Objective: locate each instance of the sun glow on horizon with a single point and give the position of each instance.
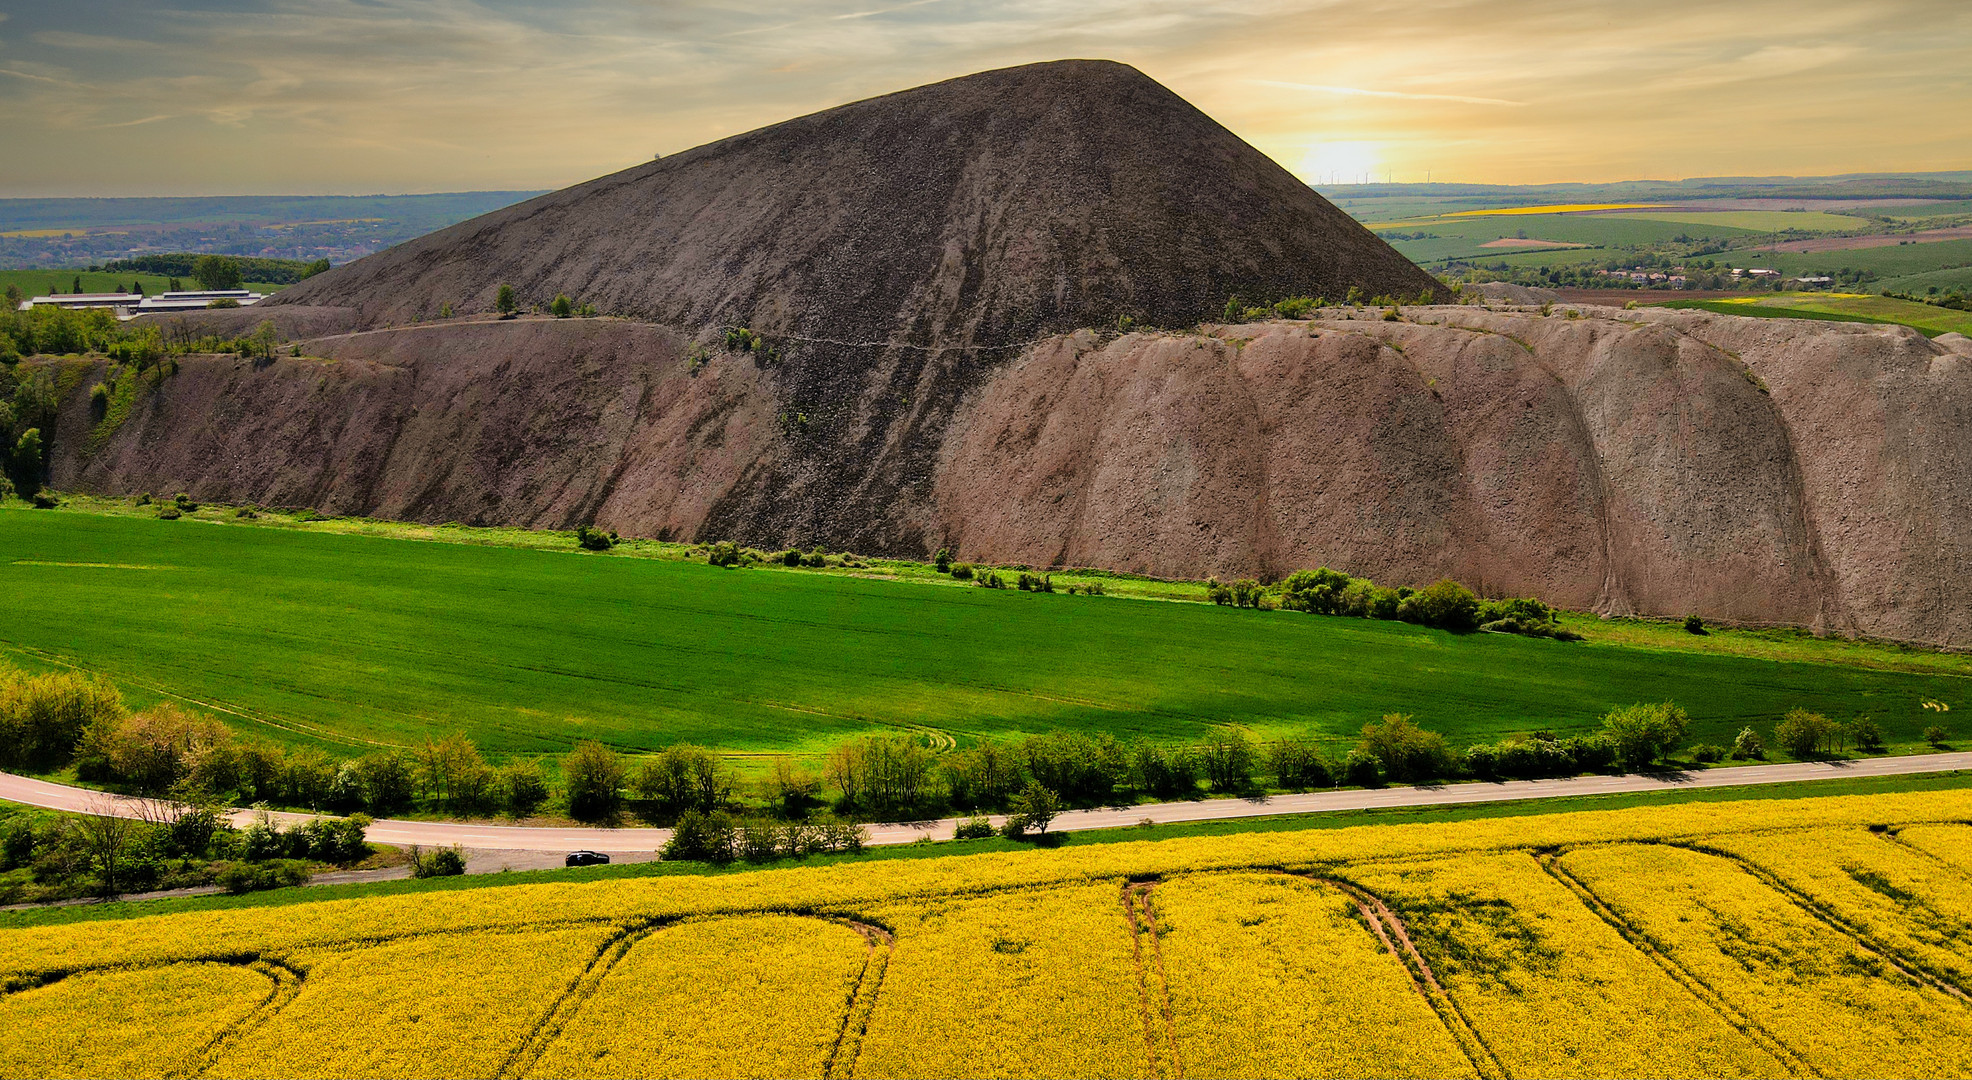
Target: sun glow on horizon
(1345, 161)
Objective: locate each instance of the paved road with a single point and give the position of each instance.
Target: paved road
(514, 842)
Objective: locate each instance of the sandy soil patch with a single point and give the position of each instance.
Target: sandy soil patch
(1523, 242)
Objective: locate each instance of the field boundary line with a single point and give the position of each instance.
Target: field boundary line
(570, 1001)
(1550, 862)
(1909, 967)
(1391, 929)
(287, 979)
(1137, 911)
(861, 1006)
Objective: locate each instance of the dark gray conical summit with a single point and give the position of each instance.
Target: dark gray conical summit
(983, 210)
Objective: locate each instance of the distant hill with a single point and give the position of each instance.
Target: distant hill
(1937, 185)
(74, 233)
(420, 213)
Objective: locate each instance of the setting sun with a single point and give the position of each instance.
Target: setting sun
(1343, 162)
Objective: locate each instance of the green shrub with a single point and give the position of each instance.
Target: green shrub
(521, 787)
(1405, 752)
(1035, 583)
(790, 557)
(1318, 591)
(43, 718)
(1444, 604)
(245, 877)
(723, 553)
(982, 775)
(1708, 753)
(816, 557)
(1868, 735)
(1228, 761)
(438, 862)
(1590, 753)
(169, 513)
(27, 463)
(988, 579)
(593, 777)
(883, 774)
(1244, 593)
(1036, 807)
(1167, 773)
(1530, 759)
(504, 301)
(976, 827)
(1644, 732)
(386, 781)
(1362, 769)
(701, 837)
(596, 539)
(680, 778)
(759, 840)
(561, 308)
(961, 571)
(1694, 625)
(1935, 735)
(1296, 763)
(942, 561)
(154, 750)
(1083, 768)
(1805, 734)
(1748, 746)
(791, 788)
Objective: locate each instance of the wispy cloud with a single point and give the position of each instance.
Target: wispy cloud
(26, 75)
(368, 95)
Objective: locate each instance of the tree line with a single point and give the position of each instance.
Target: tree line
(221, 271)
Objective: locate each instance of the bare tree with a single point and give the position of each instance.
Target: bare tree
(106, 836)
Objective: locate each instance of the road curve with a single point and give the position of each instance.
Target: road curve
(32, 792)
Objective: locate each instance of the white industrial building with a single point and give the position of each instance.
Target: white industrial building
(131, 305)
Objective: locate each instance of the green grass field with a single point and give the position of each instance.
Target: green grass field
(39, 282)
(1958, 279)
(1896, 260)
(1465, 237)
(352, 640)
(1925, 318)
(1754, 221)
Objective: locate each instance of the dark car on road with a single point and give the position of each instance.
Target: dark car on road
(586, 858)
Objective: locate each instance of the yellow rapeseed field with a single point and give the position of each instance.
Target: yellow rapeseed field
(1807, 937)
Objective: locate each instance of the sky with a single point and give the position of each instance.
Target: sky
(170, 97)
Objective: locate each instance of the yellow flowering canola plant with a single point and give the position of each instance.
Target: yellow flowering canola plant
(1807, 937)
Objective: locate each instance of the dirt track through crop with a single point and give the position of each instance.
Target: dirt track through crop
(848, 1045)
(1551, 863)
(1153, 988)
(1397, 940)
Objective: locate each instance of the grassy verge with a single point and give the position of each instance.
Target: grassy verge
(943, 848)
